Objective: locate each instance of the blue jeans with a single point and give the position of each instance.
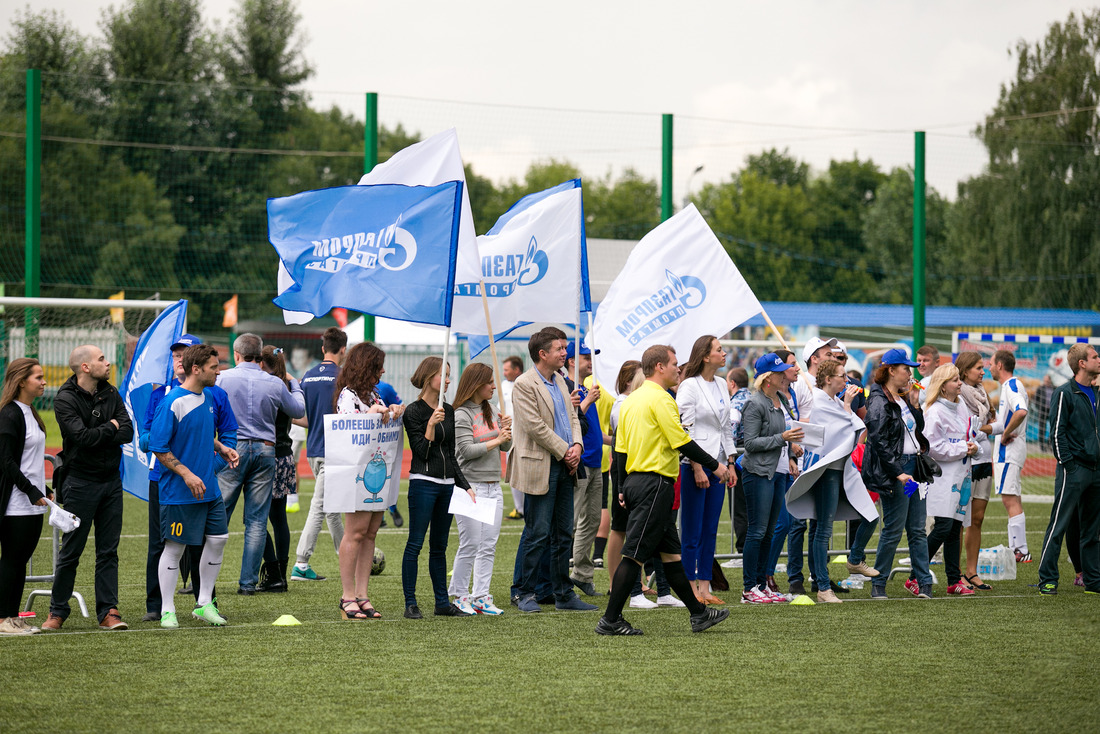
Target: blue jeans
(826, 495)
(700, 511)
(898, 512)
(548, 523)
(763, 501)
(255, 474)
(858, 552)
(428, 503)
(543, 588)
(794, 532)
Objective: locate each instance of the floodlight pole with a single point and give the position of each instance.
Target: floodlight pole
(370, 160)
(32, 255)
(918, 242)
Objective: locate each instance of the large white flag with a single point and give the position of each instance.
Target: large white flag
(533, 265)
(430, 162)
(677, 285)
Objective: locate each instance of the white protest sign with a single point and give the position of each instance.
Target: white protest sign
(362, 462)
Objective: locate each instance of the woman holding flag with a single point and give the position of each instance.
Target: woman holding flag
(356, 391)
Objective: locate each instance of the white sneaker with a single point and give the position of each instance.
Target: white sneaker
(463, 603)
(734, 563)
(484, 605)
(755, 596)
(640, 602)
(668, 600)
(775, 596)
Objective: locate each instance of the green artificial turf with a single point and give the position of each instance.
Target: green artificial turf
(1005, 660)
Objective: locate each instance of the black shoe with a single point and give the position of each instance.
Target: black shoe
(515, 600)
(1048, 589)
(151, 617)
(398, 521)
(413, 612)
(270, 580)
(586, 587)
(798, 589)
(451, 611)
(383, 522)
(925, 591)
(245, 591)
(618, 627)
(187, 589)
(707, 619)
(837, 588)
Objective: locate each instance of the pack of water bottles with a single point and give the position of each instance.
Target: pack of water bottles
(997, 564)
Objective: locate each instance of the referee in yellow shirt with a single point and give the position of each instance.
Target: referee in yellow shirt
(652, 438)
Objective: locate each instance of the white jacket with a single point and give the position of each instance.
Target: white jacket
(706, 422)
(947, 426)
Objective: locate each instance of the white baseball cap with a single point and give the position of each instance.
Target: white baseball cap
(813, 345)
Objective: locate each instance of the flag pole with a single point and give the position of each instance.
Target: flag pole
(492, 347)
(443, 367)
(592, 348)
(775, 330)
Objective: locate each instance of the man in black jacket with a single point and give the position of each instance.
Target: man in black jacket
(94, 426)
(1075, 437)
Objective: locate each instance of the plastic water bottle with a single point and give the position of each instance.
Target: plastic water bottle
(292, 502)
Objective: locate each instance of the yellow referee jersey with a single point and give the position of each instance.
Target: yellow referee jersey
(650, 432)
(603, 410)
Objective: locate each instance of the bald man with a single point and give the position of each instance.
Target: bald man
(94, 426)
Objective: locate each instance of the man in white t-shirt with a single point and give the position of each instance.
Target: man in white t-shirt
(510, 370)
(1010, 449)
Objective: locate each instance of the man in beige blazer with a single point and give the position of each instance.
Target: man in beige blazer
(546, 450)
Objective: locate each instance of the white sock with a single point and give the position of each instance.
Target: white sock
(169, 572)
(303, 565)
(209, 566)
(1017, 533)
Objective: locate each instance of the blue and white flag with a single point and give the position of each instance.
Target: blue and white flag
(385, 250)
(430, 162)
(534, 265)
(678, 284)
(151, 365)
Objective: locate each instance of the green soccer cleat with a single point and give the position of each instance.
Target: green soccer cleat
(209, 613)
(168, 621)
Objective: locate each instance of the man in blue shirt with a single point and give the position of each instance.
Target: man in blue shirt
(589, 491)
(319, 384)
(182, 437)
(256, 397)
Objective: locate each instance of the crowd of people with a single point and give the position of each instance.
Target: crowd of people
(597, 475)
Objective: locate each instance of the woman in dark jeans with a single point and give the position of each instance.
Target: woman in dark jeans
(22, 497)
(277, 553)
(764, 422)
(895, 436)
(432, 475)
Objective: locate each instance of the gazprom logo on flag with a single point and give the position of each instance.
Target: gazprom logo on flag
(504, 273)
(392, 248)
(669, 304)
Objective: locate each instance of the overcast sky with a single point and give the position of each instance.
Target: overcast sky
(824, 79)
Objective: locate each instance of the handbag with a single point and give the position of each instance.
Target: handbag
(925, 468)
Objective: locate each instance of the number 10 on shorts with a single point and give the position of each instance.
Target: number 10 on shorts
(176, 529)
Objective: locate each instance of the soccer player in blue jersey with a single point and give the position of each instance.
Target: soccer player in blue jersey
(182, 437)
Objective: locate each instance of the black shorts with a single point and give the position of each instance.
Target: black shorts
(619, 514)
(651, 527)
(189, 524)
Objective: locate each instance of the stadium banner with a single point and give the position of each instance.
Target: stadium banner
(150, 366)
(362, 462)
(678, 284)
(430, 162)
(534, 267)
(386, 250)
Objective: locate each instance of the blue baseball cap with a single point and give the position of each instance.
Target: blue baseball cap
(770, 362)
(571, 350)
(187, 340)
(898, 356)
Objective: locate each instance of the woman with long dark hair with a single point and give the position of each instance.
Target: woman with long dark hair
(277, 552)
(481, 434)
(704, 403)
(23, 490)
(356, 392)
(972, 370)
(433, 474)
(895, 436)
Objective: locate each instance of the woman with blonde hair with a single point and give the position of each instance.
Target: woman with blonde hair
(947, 426)
(433, 474)
(971, 368)
(481, 434)
(23, 490)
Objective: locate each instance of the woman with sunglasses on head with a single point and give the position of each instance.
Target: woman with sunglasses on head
(972, 370)
(23, 490)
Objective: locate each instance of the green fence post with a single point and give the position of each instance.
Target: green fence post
(32, 256)
(370, 160)
(666, 166)
(918, 242)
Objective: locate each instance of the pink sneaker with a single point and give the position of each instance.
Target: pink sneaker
(755, 596)
(960, 589)
(912, 586)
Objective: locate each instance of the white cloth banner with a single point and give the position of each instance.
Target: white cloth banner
(530, 265)
(678, 284)
(362, 462)
(430, 162)
(841, 429)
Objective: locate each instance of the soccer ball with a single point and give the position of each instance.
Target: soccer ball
(379, 564)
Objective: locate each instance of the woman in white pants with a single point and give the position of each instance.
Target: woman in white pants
(481, 434)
